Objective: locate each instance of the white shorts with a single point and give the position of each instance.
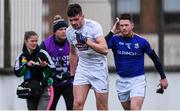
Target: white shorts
(130, 87)
(98, 79)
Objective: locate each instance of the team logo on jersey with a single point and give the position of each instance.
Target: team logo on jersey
(82, 47)
(136, 45)
(121, 43)
(128, 45)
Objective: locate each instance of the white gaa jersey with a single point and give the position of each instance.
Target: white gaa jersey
(88, 58)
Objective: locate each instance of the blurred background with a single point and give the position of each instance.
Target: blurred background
(156, 20)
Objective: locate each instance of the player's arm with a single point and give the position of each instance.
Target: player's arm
(73, 60)
(157, 64)
(109, 36)
(99, 45)
(114, 30)
(159, 68)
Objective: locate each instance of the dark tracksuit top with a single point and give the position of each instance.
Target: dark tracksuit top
(44, 101)
(36, 72)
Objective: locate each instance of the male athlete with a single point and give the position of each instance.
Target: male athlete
(128, 49)
(88, 60)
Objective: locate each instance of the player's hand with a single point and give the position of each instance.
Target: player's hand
(116, 27)
(80, 38)
(163, 83)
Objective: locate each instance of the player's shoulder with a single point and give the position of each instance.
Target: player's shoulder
(69, 29)
(92, 23)
(140, 38)
(137, 36)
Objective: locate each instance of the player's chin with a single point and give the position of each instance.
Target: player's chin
(125, 33)
(75, 26)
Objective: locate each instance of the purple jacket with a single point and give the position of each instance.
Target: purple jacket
(60, 56)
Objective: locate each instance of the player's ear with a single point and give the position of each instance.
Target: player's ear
(83, 15)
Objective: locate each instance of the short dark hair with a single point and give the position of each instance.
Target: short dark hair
(73, 10)
(126, 16)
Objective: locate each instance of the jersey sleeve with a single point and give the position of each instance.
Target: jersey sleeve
(69, 34)
(146, 47)
(108, 38)
(98, 30)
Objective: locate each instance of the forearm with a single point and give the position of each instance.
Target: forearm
(100, 47)
(73, 59)
(108, 36)
(73, 63)
(157, 64)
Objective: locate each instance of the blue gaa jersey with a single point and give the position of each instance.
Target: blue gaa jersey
(129, 54)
